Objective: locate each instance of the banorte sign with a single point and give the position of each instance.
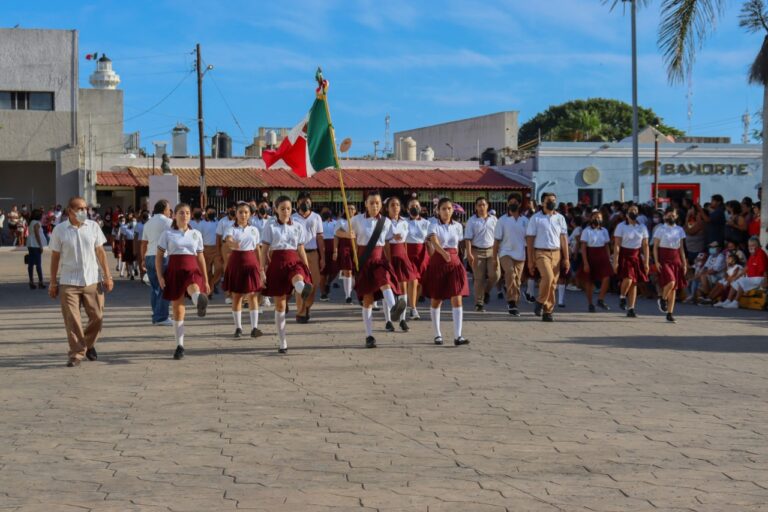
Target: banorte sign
(646, 169)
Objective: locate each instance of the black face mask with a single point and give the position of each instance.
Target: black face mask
(632, 215)
(325, 216)
(262, 211)
(198, 215)
(414, 212)
(513, 207)
(211, 216)
(304, 207)
(595, 223)
(670, 221)
(230, 213)
(550, 205)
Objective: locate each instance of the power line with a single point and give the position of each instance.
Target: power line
(216, 85)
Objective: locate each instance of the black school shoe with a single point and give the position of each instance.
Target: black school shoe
(592, 308)
(398, 308)
(461, 340)
(348, 300)
(662, 304)
(256, 332)
(479, 308)
(486, 298)
(404, 326)
(202, 304)
(631, 313)
(530, 299)
(512, 308)
(91, 354)
(238, 333)
(370, 342)
(547, 317)
(538, 308)
(438, 340)
(179, 354)
(623, 303)
(389, 327)
(282, 351)
(602, 305)
(670, 318)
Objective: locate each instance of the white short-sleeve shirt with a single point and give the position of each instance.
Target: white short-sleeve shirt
(153, 229)
(329, 229)
(313, 225)
(127, 232)
(546, 230)
(398, 227)
(343, 225)
(595, 237)
(248, 237)
(481, 231)
(283, 237)
(207, 228)
(510, 233)
(223, 224)
(363, 226)
(632, 236)
(417, 230)
(176, 242)
(670, 237)
(77, 247)
(449, 235)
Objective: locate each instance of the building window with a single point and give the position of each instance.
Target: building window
(591, 197)
(23, 100)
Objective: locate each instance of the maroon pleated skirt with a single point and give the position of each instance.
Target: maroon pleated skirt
(599, 264)
(445, 279)
(671, 268)
(419, 256)
(243, 274)
(376, 272)
(401, 264)
(630, 266)
(344, 259)
(283, 266)
(128, 255)
(182, 272)
(331, 268)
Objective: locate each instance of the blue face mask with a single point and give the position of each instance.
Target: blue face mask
(713, 250)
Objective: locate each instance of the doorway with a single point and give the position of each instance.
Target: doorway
(669, 192)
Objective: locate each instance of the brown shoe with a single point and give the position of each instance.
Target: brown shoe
(72, 363)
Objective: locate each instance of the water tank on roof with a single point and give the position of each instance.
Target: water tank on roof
(427, 154)
(180, 140)
(489, 157)
(221, 146)
(410, 149)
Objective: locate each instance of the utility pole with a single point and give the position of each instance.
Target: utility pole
(635, 128)
(200, 132)
(375, 148)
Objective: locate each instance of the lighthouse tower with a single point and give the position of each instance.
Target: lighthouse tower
(104, 77)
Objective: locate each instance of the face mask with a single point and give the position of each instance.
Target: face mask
(632, 215)
(211, 216)
(122, 223)
(81, 216)
(595, 223)
(231, 213)
(656, 220)
(414, 212)
(727, 216)
(713, 250)
(326, 216)
(513, 207)
(262, 211)
(550, 205)
(304, 207)
(198, 215)
(670, 221)
(751, 250)
(133, 223)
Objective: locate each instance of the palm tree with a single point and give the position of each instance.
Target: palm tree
(684, 26)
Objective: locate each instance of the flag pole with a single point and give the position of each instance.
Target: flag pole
(323, 88)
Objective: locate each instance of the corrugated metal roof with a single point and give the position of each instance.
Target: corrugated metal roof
(360, 179)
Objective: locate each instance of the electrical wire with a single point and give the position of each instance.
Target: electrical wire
(226, 103)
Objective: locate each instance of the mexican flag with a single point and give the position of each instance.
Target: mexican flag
(308, 148)
(91, 56)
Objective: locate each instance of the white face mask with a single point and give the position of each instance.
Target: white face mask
(81, 216)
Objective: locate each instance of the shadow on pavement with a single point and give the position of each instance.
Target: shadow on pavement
(737, 345)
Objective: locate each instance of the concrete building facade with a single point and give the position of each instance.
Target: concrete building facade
(465, 139)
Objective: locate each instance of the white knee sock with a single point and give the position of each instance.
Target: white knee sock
(402, 315)
(347, 282)
(561, 294)
(530, 287)
(298, 286)
(434, 313)
(387, 316)
(368, 321)
(178, 332)
(458, 318)
(280, 324)
(195, 296)
(238, 317)
(254, 318)
(389, 298)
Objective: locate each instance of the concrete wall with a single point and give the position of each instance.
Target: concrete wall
(103, 109)
(494, 130)
(27, 183)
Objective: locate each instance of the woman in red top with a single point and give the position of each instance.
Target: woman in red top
(753, 228)
(755, 274)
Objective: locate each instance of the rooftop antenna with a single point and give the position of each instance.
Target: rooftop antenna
(387, 143)
(746, 121)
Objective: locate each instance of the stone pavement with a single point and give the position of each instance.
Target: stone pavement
(592, 412)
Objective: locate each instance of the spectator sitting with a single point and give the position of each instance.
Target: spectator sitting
(734, 271)
(712, 271)
(695, 281)
(753, 277)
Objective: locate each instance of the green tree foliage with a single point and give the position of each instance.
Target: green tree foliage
(594, 119)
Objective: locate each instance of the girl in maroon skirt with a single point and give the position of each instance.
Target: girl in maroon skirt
(282, 246)
(330, 270)
(630, 239)
(416, 245)
(186, 273)
(596, 260)
(117, 244)
(669, 255)
(445, 277)
(376, 279)
(342, 253)
(397, 254)
(244, 276)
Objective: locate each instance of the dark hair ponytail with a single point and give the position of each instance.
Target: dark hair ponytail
(175, 211)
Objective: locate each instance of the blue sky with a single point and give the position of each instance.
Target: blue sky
(422, 62)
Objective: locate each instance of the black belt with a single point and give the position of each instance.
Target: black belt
(482, 248)
(547, 250)
(310, 250)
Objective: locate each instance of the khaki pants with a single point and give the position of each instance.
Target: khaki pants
(513, 276)
(213, 265)
(313, 258)
(92, 299)
(548, 265)
(485, 272)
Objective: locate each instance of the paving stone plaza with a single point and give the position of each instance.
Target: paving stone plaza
(592, 412)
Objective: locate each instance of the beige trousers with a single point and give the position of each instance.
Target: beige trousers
(513, 276)
(548, 265)
(92, 299)
(214, 265)
(485, 273)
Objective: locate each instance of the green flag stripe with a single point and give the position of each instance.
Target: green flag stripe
(319, 140)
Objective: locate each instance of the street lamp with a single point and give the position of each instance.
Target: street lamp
(450, 146)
